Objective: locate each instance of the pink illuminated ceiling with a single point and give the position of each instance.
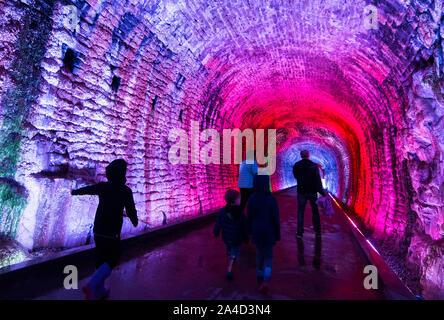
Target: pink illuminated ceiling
(312, 70)
(335, 99)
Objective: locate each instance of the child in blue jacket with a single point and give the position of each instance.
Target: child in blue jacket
(232, 221)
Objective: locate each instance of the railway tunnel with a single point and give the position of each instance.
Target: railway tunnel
(358, 83)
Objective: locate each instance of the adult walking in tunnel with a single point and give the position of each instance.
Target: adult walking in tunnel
(264, 226)
(247, 171)
(114, 196)
(309, 184)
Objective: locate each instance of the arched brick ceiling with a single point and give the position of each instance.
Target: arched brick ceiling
(295, 69)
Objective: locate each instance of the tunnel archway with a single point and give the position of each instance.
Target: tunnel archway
(366, 101)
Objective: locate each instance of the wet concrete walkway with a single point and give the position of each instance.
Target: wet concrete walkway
(191, 265)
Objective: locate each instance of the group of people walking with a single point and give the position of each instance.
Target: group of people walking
(260, 223)
(262, 214)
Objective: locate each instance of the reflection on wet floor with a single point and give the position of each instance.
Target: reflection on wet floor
(191, 265)
(317, 256)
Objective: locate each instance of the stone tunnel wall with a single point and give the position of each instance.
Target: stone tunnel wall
(107, 88)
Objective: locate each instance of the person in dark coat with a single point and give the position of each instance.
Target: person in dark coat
(231, 220)
(114, 196)
(309, 181)
(264, 227)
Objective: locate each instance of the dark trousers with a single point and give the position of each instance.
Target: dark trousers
(264, 258)
(302, 200)
(232, 251)
(107, 250)
(245, 194)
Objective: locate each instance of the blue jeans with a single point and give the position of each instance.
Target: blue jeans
(232, 251)
(264, 257)
(302, 200)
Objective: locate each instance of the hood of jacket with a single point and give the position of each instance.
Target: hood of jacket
(116, 171)
(262, 183)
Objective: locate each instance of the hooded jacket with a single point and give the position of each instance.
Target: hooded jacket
(263, 213)
(114, 196)
(233, 223)
(307, 175)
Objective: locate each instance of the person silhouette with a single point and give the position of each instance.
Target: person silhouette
(309, 184)
(247, 171)
(231, 220)
(264, 227)
(114, 196)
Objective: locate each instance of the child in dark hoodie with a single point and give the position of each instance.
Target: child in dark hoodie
(264, 227)
(234, 228)
(114, 196)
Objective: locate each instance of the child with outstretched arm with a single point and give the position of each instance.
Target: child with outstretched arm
(231, 220)
(114, 196)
